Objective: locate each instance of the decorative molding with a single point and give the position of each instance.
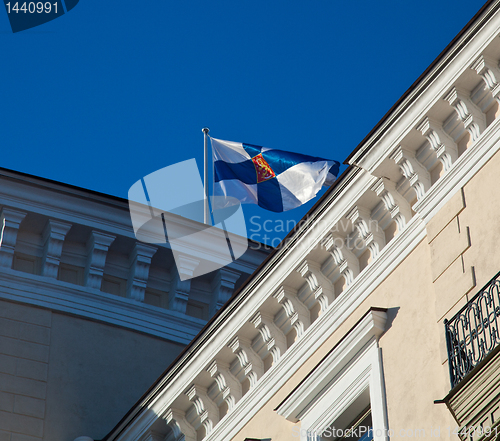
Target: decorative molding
(203, 412)
(471, 116)
(477, 38)
(97, 305)
(440, 142)
(469, 163)
(481, 96)
(320, 288)
(247, 365)
(373, 238)
(412, 170)
(272, 275)
(317, 333)
(181, 429)
(97, 249)
(182, 273)
(53, 239)
(395, 252)
(359, 384)
(293, 312)
(270, 339)
(369, 329)
(320, 330)
(489, 71)
(395, 204)
(10, 221)
(226, 387)
(140, 260)
(345, 259)
(90, 209)
(222, 288)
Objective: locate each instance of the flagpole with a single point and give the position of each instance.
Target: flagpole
(206, 210)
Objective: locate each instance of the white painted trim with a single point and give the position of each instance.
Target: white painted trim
(461, 172)
(96, 305)
(392, 254)
(371, 326)
(272, 381)
(343, 387)
(427, 93)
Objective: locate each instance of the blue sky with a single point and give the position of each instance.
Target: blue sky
(113, 91)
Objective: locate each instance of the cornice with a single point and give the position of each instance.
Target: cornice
(96, 305)
(158, 399)
(426, 79)
(416, 109)
(466, 166)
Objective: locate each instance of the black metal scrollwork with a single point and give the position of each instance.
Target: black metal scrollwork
(473, 332)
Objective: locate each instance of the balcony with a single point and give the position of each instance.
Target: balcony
(472, 333)
(472, 340)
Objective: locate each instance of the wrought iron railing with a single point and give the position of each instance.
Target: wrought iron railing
(474, 331)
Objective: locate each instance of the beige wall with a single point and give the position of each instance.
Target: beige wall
(459, 255)
(62, 377)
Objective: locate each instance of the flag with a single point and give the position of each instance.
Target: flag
(273, 179)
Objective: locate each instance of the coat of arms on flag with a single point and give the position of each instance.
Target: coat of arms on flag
(264, 172)
(274, 179)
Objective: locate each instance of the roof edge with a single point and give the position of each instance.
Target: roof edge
(378, 130)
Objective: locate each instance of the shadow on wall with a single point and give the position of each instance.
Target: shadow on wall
(391, 315)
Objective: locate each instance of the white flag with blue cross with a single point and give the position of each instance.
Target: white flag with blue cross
(276, 180)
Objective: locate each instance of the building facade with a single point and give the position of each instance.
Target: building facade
(376, 318)
(89, 316)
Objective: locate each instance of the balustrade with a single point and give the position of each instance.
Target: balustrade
(473, 332)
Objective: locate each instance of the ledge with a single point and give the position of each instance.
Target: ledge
(96, 305)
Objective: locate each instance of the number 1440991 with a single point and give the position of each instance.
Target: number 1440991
(32, 8)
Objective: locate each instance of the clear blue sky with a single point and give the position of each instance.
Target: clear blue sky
(113, 91)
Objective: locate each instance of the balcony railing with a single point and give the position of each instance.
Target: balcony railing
(473, 332)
